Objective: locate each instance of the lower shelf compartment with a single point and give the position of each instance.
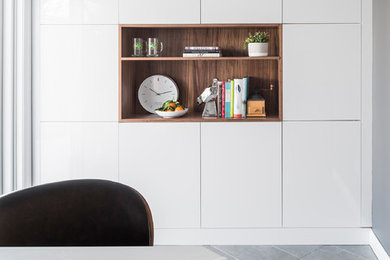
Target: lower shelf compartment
(195, 117)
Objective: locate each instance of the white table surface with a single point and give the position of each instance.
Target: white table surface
(111, 253)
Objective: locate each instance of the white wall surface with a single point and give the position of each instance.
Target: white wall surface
(381, 120)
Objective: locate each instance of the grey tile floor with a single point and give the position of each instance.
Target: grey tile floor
(350, 252)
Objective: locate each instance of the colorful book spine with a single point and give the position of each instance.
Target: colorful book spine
(232, 99)
(219, 99)
(238, 89)
(228, 99)
(223, 99)
(245, 95)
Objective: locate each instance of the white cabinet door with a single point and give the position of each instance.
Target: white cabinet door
(78, 150)
(321, 174)
(244, 11)
(321, 70)
(241, 175)
(321, 11)
(78, 11)
(79, 73)
(159, 12)
(162, 162)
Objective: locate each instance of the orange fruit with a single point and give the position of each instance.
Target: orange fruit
(172, 104)
(179, 109)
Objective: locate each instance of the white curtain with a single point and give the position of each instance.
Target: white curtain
(15, 99)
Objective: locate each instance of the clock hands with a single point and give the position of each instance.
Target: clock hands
(165, 92)
(155, 92)
(160, 93)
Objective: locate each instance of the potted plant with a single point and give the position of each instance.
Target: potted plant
(257, 44)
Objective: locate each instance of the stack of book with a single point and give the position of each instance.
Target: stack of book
(232, 98)
(202, 51)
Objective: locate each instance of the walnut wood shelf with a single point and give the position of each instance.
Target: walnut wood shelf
(197, 58)
(194, 74)
(196, 117)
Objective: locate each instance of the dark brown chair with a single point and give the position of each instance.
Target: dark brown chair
(76, 213)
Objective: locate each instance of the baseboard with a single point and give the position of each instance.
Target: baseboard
(377, 247)
(266, 236)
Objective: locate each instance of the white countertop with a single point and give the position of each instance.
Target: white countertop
(111, 253)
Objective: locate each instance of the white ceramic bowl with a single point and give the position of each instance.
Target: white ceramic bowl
(171, 114)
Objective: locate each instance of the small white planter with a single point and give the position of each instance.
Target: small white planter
(258, 49)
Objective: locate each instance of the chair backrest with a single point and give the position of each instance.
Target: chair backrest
(76, 213)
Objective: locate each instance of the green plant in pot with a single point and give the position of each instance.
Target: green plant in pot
(257, 44)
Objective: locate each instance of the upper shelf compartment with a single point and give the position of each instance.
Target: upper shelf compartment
(230, 38)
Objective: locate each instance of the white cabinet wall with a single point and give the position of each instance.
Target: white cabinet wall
(321, 72)
(321, 174)
(203, 185)
(158, 11)
(244, 11)
(162, 162)
(241, 175)
(321, 11)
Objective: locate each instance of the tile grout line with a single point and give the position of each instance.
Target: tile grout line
(315, 250)
(224, 252)
(285, 251)
(353, 253)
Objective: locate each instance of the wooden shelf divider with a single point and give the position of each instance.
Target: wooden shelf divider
(197, 58)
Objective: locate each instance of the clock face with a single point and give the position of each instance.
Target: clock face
(155, 90)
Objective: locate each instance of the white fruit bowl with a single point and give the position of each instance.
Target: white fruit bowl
(171, 114)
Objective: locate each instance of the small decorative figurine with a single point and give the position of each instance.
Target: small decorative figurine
(209, 97)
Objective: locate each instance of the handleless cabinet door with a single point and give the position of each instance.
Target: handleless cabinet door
(78, 11)
(161, 161)
(321, 11)
(241, 175)
(159, 12)
(321, 174)
(78, 73)
(244, 11)
(321, 72)
(78, 150)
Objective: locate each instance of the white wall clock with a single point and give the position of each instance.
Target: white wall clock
(155, 90)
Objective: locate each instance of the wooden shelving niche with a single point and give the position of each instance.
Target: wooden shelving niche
(193, 75)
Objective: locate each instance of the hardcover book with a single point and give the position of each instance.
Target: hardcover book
(245, 96)
(228, 99)
(238, 90)
(232, 99)
(219, 99)
(223, 99)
